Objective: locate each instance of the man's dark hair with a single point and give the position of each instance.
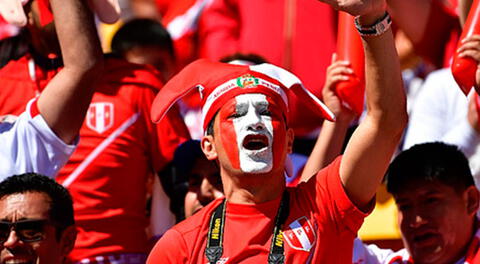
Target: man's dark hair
(430, 162)
(209, 131)
(175, 178)
(61, 207)
(142, 32)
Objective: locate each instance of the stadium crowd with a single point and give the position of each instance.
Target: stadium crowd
(239, 131)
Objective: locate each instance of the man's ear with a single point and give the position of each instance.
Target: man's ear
(472, 198)
(208, 147)
(67, 240)
(290, 138)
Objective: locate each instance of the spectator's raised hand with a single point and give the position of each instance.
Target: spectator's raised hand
(471, 48)
(337, 71)
(12, 11)
(358, 7)
(331, 138)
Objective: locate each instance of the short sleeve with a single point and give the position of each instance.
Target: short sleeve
(29, 145)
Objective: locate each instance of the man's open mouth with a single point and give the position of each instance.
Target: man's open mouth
(424, 239)
(255, 142)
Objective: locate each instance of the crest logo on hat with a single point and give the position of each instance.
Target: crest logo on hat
(100, 116)
(247, 81)
(301, 235)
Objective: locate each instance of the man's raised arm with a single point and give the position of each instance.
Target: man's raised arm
(65, 100)
(372, 145)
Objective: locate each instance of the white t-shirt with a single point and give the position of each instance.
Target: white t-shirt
(29, 145)
(371, 254)
(439, 113)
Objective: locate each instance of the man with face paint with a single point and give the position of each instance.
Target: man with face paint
(245, 117)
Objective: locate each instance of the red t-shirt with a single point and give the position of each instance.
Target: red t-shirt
(119, 149)
(21, 81)
(320, 228)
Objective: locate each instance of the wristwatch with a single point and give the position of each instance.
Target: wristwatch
(378, 28)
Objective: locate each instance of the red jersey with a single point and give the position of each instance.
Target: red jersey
(320, 228)
(21, 81)
(119, 149)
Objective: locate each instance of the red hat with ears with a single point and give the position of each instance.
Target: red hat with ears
(218, 82)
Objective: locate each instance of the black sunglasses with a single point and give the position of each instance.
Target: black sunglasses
(26, 230)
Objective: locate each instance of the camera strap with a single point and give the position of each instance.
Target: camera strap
(214, 248)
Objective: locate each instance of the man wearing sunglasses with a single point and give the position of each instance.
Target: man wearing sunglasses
(36, 220)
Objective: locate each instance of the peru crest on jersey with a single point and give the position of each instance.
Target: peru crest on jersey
(300, 235)
(100, 116)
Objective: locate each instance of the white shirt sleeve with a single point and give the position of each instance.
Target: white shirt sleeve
(371, 254)
(464, 136)
(29, 145)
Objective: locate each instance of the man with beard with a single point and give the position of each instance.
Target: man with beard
(245, 117)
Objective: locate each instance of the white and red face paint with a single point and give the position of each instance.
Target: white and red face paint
(252, 133)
